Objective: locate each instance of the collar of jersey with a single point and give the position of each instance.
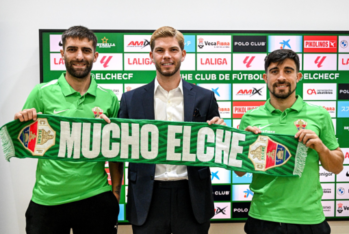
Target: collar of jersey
(68, 90)
(297, 106)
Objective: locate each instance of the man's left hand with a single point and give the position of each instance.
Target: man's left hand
(216, 120)
(310, 139)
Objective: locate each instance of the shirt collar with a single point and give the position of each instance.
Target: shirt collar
(158, 86)
(297, 106)
(68, 90)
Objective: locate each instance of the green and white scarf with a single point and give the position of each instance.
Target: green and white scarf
(153, 141)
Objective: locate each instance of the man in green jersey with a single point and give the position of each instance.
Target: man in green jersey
(73, 195)
(285, 204)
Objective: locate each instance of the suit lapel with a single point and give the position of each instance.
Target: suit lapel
(148, 101)
(189, 101)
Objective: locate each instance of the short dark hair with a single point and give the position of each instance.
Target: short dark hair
(278, 56)
(80, 32)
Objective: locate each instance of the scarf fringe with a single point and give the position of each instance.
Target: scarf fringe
(301, 157)
(7, 144)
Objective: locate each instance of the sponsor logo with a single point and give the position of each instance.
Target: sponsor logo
(320, 44)
(343, 109)
(129, 87)
(328, 191)
(253, 62)
(326, 176)
(266, 154)
(222, 210)
(328, 207)
(240, 209)
(343, 44)
(340, 208)
(224, 109)
(285, 42)
(105, 44)
(189, 43)
(245, 179)
(109, 62)
(240, 108)
(346, 155)
(37, 137)
(340, 191)
(249, 92)
(214, 62)
(319, 91)
(242, 192)
(56, 112)
(221, 91)
(343, 91)
(213, 43)
(220, 176)
(249, 43)
(56, 44)
(329, 106)
(56, 62)
(314, 62)
(137, 43)
(343, 62)
(221, 192)
(140, 62)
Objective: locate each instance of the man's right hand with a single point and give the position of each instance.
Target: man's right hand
(27, 114)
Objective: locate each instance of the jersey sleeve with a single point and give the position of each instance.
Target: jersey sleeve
(34, 100)
(327, 134)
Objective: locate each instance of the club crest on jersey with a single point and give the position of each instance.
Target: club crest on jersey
(300, 124)
(97, 112)
(37, 137)
(266, 153)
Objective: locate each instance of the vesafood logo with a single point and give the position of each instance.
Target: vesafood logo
(249, 43)
(343, 91)
(241, 209)
(221, 192)
(320, 44)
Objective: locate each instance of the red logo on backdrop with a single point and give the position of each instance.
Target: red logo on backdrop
(105, 60)
(319, 60)
(311, 91)
(320, 44)
(139, 61)
(345, 62)
(347, 155)
(248, 61)
(59, 62)
(240, 108)
(213, 61)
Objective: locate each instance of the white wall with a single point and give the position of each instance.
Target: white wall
(21, 20)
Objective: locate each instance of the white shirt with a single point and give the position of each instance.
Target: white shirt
(169, 106)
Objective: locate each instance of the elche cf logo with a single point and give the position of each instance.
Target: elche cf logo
(37, 137)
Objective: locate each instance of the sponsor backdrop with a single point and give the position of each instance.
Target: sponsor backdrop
(230, 64)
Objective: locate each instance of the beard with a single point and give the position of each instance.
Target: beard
(78, 73)
(167, 73)
(284, 95)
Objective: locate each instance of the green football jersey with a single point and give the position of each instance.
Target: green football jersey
(290, 199)
(59, 182)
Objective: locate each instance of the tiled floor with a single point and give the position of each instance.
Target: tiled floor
(337, 227)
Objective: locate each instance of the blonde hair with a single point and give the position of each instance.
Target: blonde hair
(167, 31)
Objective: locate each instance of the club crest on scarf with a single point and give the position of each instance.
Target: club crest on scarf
(97, 112)
(266, 153)
(37, 137)
(300, 124)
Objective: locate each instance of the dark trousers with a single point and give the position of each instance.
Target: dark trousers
(171, 212)
(94, 215)
(257, 226)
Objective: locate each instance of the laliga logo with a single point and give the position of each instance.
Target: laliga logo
(105, 60)
(311, 91)
(248, 61)
(319, 60)
(345, 63)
